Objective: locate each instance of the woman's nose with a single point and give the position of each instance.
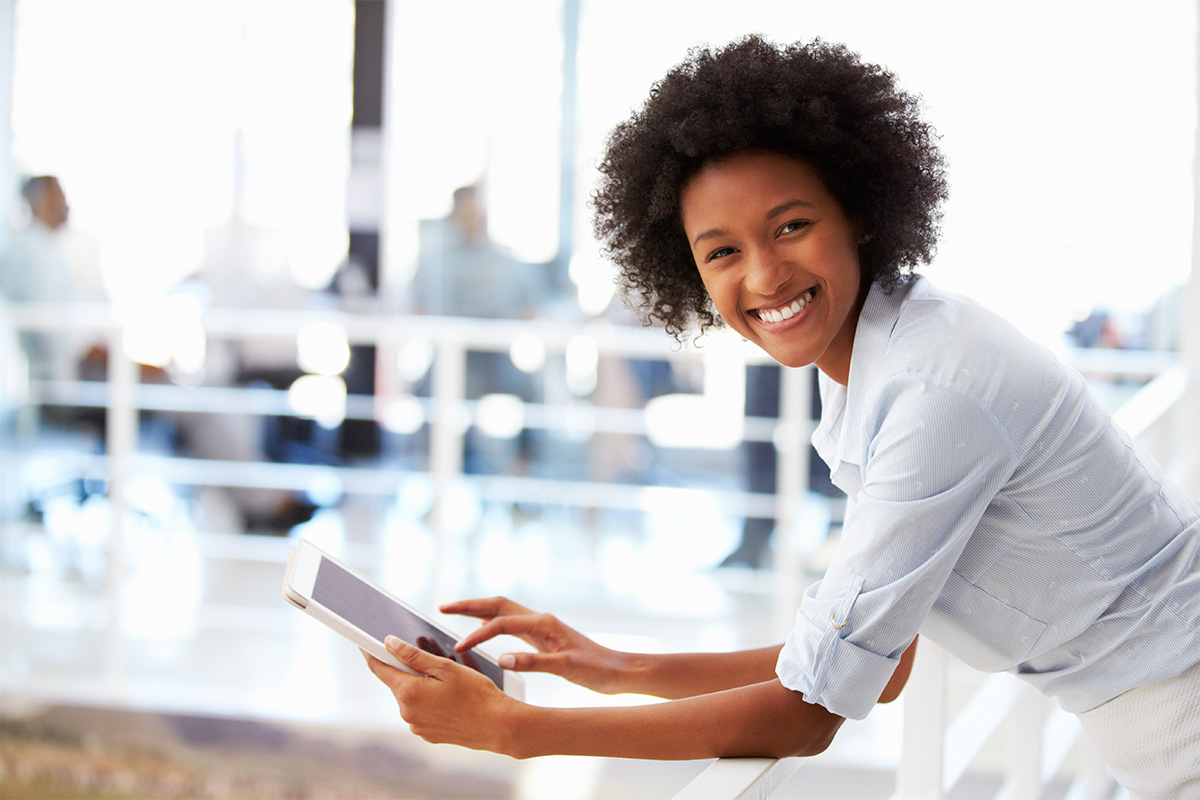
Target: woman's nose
(766, 273)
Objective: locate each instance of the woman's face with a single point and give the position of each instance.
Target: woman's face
(778, 256)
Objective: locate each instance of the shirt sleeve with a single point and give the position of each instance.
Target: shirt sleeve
(933, 456)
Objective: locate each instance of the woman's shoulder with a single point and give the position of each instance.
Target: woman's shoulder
(951, 340)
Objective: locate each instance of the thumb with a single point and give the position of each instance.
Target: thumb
(413, 657)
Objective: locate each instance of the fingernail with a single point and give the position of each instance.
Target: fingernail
(507, 662)
(392, 642)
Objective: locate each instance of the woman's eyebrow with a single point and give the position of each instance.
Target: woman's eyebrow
(788, 206)
(711, 233)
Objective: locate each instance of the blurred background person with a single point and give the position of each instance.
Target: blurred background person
(48, 262)
(462, 272)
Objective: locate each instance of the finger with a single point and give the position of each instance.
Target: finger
(484, 607)
(391, 677)
(414, 658)
(522, 625)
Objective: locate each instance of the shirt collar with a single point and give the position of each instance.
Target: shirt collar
(878, 319)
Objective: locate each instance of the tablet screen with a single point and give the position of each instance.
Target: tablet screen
(375, 614)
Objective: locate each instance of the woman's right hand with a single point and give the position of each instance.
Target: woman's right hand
(561, 650)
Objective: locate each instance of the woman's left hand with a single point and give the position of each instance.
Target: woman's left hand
(448, 702)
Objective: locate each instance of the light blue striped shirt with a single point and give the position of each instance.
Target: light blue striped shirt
(995, 509)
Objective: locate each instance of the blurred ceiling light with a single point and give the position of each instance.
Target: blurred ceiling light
(414, 358)
(325, 488)
(500, 415)
(322, 348)
(528, 352)
(583, 356)
(167, 331)
(188, 353)
(316, 249)
(692, 421)
(593, 279)
(319, 397)
(403, 414)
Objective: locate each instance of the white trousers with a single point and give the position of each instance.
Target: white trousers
(1150, 737)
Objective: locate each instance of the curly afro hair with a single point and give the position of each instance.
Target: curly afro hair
(816, 101)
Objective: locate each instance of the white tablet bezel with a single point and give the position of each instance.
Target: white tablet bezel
(299, 580)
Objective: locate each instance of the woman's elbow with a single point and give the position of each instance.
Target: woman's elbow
(811, 743)
(811, 746)
(900, 676)
(787, 725)
(811, 739)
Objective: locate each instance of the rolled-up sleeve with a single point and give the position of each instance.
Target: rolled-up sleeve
(932, 458)
(816, 641)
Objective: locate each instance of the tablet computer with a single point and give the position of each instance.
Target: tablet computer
(365, 613)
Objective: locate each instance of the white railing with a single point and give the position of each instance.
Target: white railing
(938, 750)
(122, 396)
(740, 779)
(451, 338)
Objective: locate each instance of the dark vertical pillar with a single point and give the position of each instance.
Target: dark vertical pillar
(362, 437)
(370, 18)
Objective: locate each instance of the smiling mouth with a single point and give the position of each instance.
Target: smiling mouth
(788, 311)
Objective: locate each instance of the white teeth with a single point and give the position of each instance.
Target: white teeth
(787, 312)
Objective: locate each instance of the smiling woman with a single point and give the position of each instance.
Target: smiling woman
(778, 256)
(888, 177)
(793, 190)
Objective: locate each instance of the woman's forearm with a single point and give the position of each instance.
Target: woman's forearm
(678, 675)
(764, 719)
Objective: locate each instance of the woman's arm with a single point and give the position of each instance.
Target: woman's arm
(563, 651)
(457, 705)
(678, 675)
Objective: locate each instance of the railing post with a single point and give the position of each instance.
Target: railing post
(922, 753)
(791, 483)
(1023, 780)
(121, 441)
(446, 456)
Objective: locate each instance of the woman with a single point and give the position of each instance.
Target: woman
(788, 192)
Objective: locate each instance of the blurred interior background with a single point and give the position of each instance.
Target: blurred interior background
(325, 269)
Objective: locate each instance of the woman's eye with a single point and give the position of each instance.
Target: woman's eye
(794, 226)
(720, 252)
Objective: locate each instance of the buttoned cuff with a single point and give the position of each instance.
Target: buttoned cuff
(831, 671)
